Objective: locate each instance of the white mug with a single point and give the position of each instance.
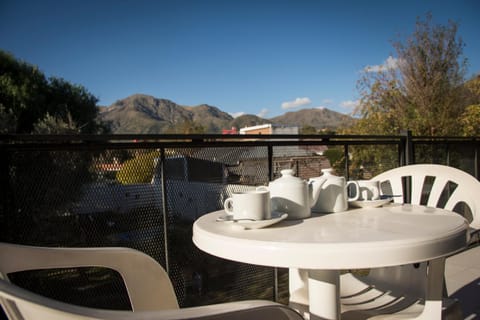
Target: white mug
(254, 205)
(367, 190)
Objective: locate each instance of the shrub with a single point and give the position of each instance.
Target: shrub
(139, 169)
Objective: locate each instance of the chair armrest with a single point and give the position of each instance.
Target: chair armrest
(147, 283)
(474, 237)
(28, 305)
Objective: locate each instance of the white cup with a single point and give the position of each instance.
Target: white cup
(369, 190)
(253, 205)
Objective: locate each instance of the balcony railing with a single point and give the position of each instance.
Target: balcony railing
(145, 191)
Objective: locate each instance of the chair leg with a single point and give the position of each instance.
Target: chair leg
(434, 294)
(452, 310)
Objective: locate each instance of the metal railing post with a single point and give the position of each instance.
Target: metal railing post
(164, 208)
(407, 159)
(408, 152)
(347, 166)
(270, 163)
(475, 161)
(401, 151)
(7, 195)
(448, 154)
(270, 178)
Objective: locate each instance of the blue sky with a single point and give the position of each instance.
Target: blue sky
(262, 57)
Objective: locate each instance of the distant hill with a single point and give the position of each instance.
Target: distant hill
(146, 114)
(247, 120)
(317, 118)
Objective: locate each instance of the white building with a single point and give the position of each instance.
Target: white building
(269, 129)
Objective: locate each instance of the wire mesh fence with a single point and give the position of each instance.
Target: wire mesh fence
(146, 195)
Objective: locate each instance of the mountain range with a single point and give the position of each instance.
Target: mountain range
(146, 114)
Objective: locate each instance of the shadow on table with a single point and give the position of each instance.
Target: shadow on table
(469, 299)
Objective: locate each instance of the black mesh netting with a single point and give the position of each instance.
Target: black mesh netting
(115, 197)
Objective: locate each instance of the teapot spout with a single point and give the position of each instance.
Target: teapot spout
(315, 186)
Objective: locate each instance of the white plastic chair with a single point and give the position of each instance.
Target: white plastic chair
(429, 186)
(400, 291)
(150, 291)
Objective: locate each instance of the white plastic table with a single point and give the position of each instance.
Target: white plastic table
(325, 244)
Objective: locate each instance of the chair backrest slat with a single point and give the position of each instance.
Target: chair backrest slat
(450, 186)
(417, 188)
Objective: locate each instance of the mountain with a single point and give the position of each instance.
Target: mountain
(146, 114)
(211, 118)
(247, 120)
(320, 118)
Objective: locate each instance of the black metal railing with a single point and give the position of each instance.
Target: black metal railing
(145, 191)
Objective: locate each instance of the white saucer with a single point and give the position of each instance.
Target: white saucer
(255, 224)
(369, 203)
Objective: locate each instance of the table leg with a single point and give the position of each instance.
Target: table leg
(434, 294)
(324, 294)
(315, 293)
(298, 289)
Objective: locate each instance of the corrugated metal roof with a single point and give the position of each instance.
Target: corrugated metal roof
(231, 155)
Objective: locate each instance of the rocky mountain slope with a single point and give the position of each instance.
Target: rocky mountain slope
(317, 118)
(146, 114)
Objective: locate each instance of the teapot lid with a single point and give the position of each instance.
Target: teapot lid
(288, 177)
(327, 171)
(287, 172)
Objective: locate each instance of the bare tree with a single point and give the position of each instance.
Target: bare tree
(422, 89)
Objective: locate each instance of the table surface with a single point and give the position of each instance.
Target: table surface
(357, 238)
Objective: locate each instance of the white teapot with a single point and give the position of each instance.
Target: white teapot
(292, 195)
(333, 196)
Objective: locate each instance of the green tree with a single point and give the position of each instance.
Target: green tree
(308, 130)
(335, 156)
(40, 186)
(139, 169)
(421, 90)
(473, 87)
(187, 127)
(7, 120)
(28, 97)
(470, 120)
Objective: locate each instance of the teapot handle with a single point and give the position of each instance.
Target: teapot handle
(228, 206)
(357, 190)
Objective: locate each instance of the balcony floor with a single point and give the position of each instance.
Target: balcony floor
(462, 273)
